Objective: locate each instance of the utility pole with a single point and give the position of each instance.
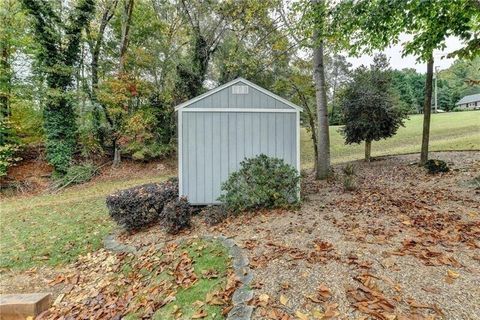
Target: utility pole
(436, 88)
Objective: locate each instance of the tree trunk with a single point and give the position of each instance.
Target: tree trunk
(323, 159)
(6, 82)
(314, 139)
(116, 153)
(126, 21)
(368, 150)
(427, 110)
(311, 122)
(95, 48)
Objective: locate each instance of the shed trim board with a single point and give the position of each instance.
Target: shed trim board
(238, 110)
(288, 129)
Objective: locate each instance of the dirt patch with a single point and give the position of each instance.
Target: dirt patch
(33, 280)
(32, 175)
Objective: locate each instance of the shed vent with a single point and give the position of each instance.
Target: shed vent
(239, 89)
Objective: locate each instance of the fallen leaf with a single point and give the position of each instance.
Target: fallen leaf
(317, 314)
(200, 314)
(453, 274)
(59, 299)
(302, 316)
(283, 300)
(331, 311)
(264, 297)
(324, 291)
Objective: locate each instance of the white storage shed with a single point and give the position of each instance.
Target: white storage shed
(222, 127)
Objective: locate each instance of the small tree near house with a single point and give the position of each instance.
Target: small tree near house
(369, 106)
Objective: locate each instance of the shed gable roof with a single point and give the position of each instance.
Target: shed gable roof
(231, 83)
(468, 99)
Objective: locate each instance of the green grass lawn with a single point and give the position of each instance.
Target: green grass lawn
(54, 229)
(449, 131)
(207, 256)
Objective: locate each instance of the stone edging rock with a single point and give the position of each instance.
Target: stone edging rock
(243, 294)
(111, 244)
(240, 263)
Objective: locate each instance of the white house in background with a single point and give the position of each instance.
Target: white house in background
(471, 102)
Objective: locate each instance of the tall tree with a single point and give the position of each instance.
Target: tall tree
(13, 40)
(337, 75)
(369, 107)
(319, 11)
(125, 30)
(95, 42)
(379, 23)
(59, 39)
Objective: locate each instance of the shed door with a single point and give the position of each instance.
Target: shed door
(214, 144)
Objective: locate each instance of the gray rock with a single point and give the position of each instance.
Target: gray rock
(242, 295)
(244, 277)
(110, 243)
(240, 312)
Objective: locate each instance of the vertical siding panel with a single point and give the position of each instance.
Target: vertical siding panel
(248, 142)
(242, 100)
(192, 159)
(215, 101)
(224, 153)
(223, 97)
(293, 139)
(216, 161)
(256, 134)
(271, 134)
(232, 142)
(208, 143)
(267, 102)
(288, 138)
(232, 98)
(264, 133)
(279, 128)
(200, 141)
(256, 98)
(240, 139)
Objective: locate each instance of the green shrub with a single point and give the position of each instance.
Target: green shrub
(261, 182)
(9, 146)
(136, 208)
(349, 170)
(435, 166)
(349, 177)
(7, 158)
(215, 214)
(176, 215)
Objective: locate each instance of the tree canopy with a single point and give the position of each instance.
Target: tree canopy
(95, 78)
(369, 107)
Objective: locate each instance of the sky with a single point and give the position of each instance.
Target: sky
(399, 62)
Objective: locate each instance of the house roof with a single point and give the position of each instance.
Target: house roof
(228, 84)
(468, 99)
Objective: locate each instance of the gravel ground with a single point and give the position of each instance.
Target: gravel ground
(403, 245)
(345, 241)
